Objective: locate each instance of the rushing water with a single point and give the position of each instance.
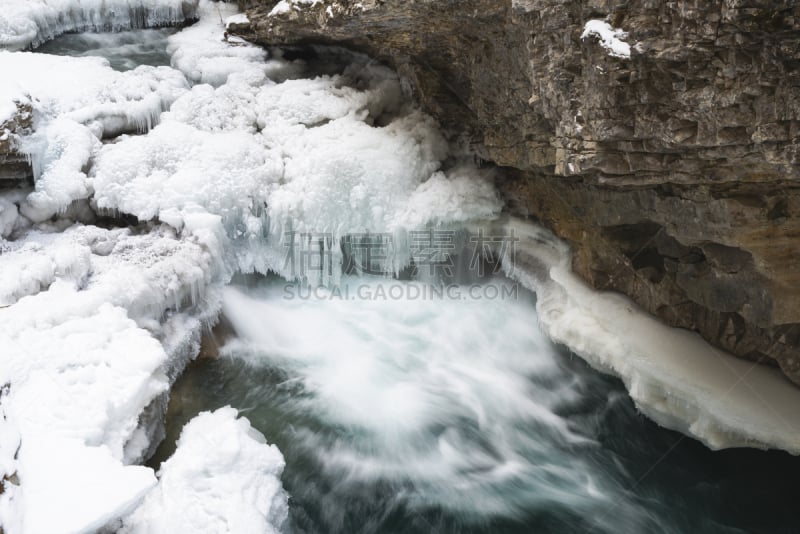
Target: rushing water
(455, 414)
(123, 50)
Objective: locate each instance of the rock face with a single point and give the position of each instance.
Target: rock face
(14, 167)
(674, 172)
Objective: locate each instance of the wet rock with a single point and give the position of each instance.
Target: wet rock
(14, 167)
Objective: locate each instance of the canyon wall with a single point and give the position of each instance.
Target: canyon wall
(672, 171)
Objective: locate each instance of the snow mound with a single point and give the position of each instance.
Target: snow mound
(673, 376)
(223, 478)
(610, 38)
(29, 23)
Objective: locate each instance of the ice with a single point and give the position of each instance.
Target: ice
(96, 323)
(302, 155)
(223, 478)
(76, 102)
(204, 55)
(29, 23)
(673, 376)
(610, 38)
(93, 325)
(8, 217)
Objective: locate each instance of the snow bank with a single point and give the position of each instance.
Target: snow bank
(86, 316)
(610, 38)
(223, 478)
(29, 23)
(673, 376)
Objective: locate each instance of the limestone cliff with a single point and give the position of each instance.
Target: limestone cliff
(673, 172)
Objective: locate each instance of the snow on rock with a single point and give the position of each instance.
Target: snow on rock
(610, 38)
(223, 478)
(239, 18)
(87, 316)
(286, 6)
(673, 376)
(29, 23)
(11, 95)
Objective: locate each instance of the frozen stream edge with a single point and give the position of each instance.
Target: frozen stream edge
(675, 377)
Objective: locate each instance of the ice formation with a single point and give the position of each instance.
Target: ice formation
(612, 39)
(94, 325)
(223, 478)
(673, 376)
(76, 102)
(300, 155)
(29, 23)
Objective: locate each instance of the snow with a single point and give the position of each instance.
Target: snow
(610, 38)
(8, 217)
(673, 376)
(223, 478)
(29, 23)
(302, 154)
(239, 18)
(203, 55)
(10, 96)
(84, 357)
(77, 102)
(286, 6)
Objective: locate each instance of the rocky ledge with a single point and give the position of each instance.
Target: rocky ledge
(14, 167)
(661, 140)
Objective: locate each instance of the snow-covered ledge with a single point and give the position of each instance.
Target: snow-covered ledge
(674, 377)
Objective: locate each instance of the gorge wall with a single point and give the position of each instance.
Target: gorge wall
(672, 172)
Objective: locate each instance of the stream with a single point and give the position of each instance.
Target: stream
(449, 413)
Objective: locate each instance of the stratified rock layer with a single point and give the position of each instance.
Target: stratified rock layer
(674, 172)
